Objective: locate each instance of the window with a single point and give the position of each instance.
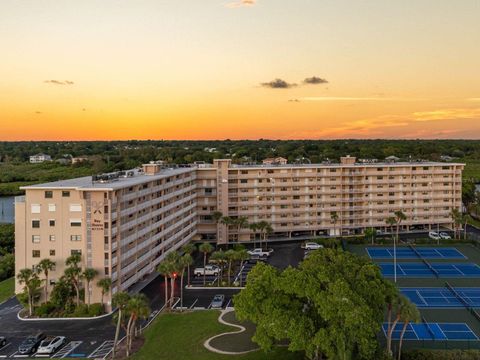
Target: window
(35, 224)
(35, 238)
(51, 222)
(48, 194)
(51, 237)
(52, 252)
(36, 253)
(106, 271)
(65, 193)
(52, 207)
(35, 209)
(75, 252)
(75, 207)
(75, 237)
(75, 222)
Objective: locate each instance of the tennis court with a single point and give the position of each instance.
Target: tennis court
(442, 297)
(421, 269)
(411, 253)
(433, 331)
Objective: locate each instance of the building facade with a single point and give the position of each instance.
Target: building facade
(39, 158)
(124, 224)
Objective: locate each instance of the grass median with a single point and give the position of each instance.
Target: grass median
(181, 337)
(7, 288)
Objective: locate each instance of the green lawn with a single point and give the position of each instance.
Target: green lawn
(181, 337)
(7, 288)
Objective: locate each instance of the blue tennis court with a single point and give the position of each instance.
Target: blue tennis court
(409, 253)
(433, 331)
(442, 297)
(420, 269)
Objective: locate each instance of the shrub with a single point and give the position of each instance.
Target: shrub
(329, 242)
(95, 309)
(45, 310)
(425, 354)
(80, 311)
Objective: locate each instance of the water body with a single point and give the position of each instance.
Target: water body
(7, 210)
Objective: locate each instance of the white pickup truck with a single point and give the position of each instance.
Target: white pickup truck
(258, 252)
(208, 270)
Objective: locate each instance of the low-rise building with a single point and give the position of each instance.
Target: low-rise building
(39, 158)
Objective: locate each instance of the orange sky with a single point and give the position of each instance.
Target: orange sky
(190, 69)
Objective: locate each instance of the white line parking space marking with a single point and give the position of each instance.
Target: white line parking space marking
(191, 307)
(229, 301)
(67, 349)
(102, 351)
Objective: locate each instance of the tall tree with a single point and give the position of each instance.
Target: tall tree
(334, 219)
(164, 269)
(230, 256)
(186, 261)
(242, 255)
(31, 283)
(104, 284)
(189, 249)
(370, 234)
(218, 257)
(332, 305)
(89, 274)
(73, 273)
(399, 217)
(227, 221)
(254, 228)
(120, 301)
(240, 222)
(409, 313)
(138, 308)
(205, 248)
(45, 266)
(392, 221)
(457, 221)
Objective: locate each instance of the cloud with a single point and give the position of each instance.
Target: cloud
(278, 84)
(38, 112)
(446, 114)
(293, 100)
(314, 80)
(59, 82)
(241, 3)
(473, 99)
(350, 98)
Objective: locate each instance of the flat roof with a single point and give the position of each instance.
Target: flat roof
(86, 183)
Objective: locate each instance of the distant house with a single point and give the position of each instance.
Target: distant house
(40, 158)
(210, 150)
(79, 159)
(275, 161)
(392, 159)
(446, 158)
(368, 161)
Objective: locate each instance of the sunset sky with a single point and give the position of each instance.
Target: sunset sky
(216, 69)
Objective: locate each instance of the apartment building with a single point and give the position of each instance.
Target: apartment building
(124, 224)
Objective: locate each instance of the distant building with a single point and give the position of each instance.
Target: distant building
(446, 158)
(79, 159)
(40, 158)
(210, 150)
(367, 161)
(275, 161)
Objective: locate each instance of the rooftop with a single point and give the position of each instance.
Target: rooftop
(87, 183)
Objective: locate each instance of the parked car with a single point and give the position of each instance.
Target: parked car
(207, 270)
(51, 344)
(434, 235)
(445, 236)
(31, 343)
(3, 341)
(260, 252)
(217, 301)
(312, 246)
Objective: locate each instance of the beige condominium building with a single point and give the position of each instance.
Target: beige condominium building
(124, 224)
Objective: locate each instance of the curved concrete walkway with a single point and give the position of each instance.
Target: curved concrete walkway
(240, 330)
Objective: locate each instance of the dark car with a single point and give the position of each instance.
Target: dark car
(3, 341)
(30, 344)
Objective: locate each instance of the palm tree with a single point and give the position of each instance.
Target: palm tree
(189, 249)
(120, 301)
(370, 233)
(230, 256)
(205, 248)
(219, 258)
(227, 221)
(73, 273)
(254, 227)
(241, 222)
(173, 259)
(465, 218)
(399, 217)
(45, 266)
(399, 302)
(457, 221)
(409, 313)
(391, 221)
(104, 284)
(334, 219)
(138, 308)
(391, 299)
(164, 269)
(32, 282)
(267, 230)
(186, 260)
(216, 216)
(89, 274)
(242, 255)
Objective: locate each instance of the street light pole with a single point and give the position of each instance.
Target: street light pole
(394, 259)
